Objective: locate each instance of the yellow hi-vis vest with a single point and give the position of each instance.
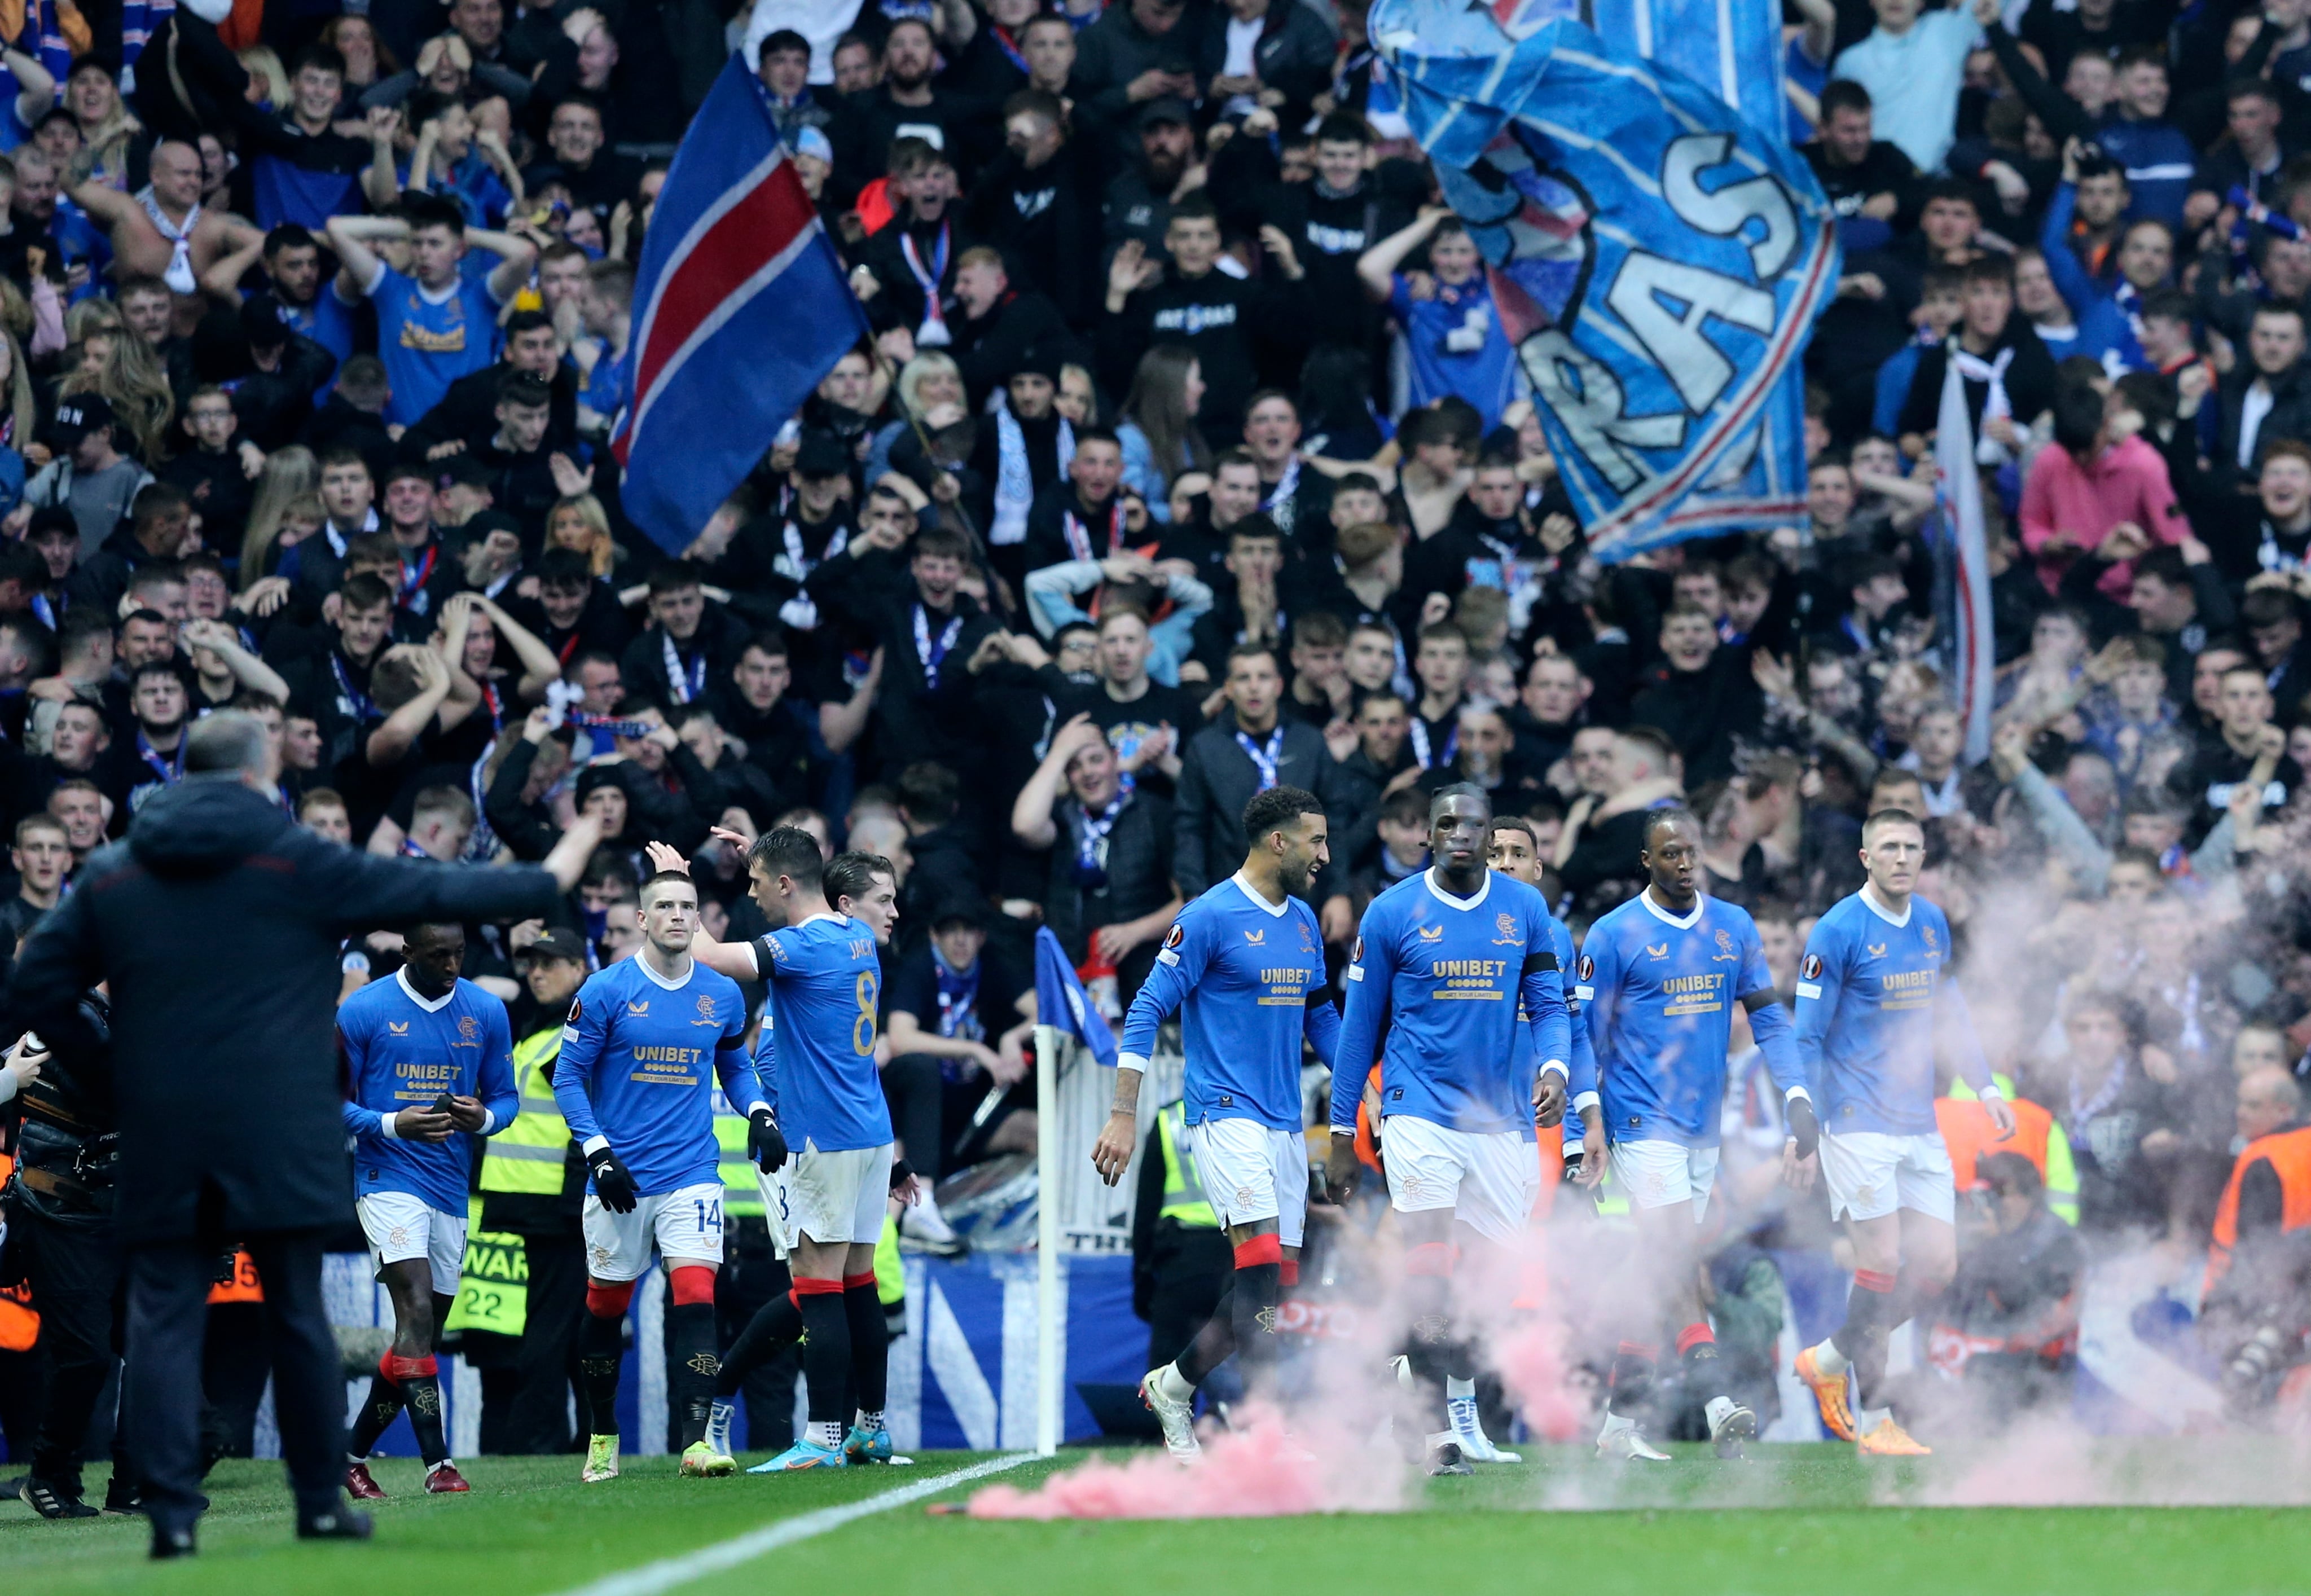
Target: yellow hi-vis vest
(493, 1285)
(1183, 1185)
(742, 1193)
(527, 1154)
(890, 1268)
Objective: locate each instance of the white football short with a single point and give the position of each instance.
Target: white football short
(777, 1208)
(838, 1197)
(1490, 1180)
(1870, 1174)
(400, 1226)
(1657, 1173)
(685, 1224)
(1253, 1172)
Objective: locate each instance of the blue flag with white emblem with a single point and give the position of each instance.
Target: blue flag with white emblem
(1658, 261)
(1061, 1002)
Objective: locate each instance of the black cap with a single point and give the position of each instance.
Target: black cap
(1167, 108)
(262, 322)
(1038, 362)
(560, 943)
(822, 454)
(463, 470)
(77, 416)
(52, 517)
(960, 910)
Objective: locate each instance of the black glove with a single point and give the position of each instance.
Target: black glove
(765, 1141)
(900, 1173)
(1804, 1129)
(612, 1183)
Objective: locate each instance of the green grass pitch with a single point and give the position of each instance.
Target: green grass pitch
(1798, 1521)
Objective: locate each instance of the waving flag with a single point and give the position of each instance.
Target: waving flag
(1061, 1002)
(1962, 566)
(740, 308)
(1658, 259)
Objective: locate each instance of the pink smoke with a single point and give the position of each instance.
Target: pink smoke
(1261, 1470)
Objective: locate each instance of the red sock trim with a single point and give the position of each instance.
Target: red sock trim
(805, 1285)
(1639, 1350)
(1873, 1280)
(608, 1302)
(397, 1368)
(1291, 1268)
(1259, 1250)
(1692, 1336)
(692, 1284)
(1431, 1258)
(854, 1282)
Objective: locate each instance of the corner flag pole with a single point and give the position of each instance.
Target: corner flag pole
(1047, 1241)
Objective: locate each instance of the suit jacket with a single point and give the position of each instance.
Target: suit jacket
(218, 922)
(1217, 779)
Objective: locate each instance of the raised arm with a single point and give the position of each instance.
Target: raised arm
(538, 664)
(515, 256)
(1376, 266)
(736, 960)
(1031, 814)
(349, 236)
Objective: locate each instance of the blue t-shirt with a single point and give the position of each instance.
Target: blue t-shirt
(1247, 979)
(1658, 991)
(634, 1068)
(401, 1051)
(818, 1032)
(428, 341)
(1870, 988)
(308, 196)
(1478, 365)
(1445, 975)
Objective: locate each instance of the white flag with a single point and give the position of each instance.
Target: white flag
(1957, 494)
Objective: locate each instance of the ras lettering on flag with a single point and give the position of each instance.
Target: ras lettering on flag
(1658, 260)
(740, 308)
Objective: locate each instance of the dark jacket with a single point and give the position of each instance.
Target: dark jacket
(1294, 54)
(1217, 779)
(218, 923)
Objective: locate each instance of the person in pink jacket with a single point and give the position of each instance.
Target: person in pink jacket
(2098, 476)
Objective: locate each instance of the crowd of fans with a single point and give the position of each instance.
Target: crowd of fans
(1187, 456)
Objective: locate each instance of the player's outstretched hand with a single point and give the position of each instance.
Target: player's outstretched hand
(1595, 1160)
(1110, 1154)
(1547, 1099)
(1341, 1169)
(612, 1183)
(765, 1140)
(1805, 1127)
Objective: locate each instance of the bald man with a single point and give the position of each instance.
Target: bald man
(2258, 1291)
(163, 231)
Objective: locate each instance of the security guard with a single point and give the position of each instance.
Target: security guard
(1180, 1259)
(2038, 1135)
(60, 1203)
(533, 1186)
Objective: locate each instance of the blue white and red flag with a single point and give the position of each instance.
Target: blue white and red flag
(740, 308)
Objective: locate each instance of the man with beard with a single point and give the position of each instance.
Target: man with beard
(1243, 966)
(153, 759)
(1139, 198)
(905, 105)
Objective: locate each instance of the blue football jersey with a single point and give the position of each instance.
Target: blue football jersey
(636, 1053)
(402, 1050)
(1658, 991)
(1247, 979)
(428, 340)
(1869, 990)
(1580, 1091)
(1444, 976)
(818, 1033)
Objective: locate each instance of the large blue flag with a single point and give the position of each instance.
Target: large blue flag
(1659, 261)
(740, 308)
(1059, 999)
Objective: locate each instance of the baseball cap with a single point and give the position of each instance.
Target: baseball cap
(810, 141)
(822, 454)
(560, 943)
(960, 911)
(77, 416)
(1168, 107)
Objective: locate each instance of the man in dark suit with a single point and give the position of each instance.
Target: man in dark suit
(218, 922)
(1245, 750)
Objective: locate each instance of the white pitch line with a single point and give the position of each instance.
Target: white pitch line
(668, 1573)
